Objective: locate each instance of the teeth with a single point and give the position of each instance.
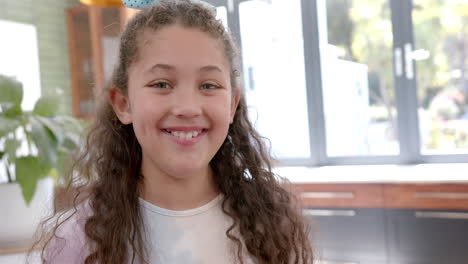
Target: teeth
(185, 135)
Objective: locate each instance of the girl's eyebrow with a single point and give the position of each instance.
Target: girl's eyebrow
(210, 68)
(168, 67)
(161, 66)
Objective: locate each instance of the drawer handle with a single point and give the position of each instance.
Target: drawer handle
(320, 212)
(328, 195)
(443, 215)
(441, 195)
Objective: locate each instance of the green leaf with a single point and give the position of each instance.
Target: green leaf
(71, 125)
(12, 91)
(47, 106)
(13, 111)
(8, 125)
(11, 145)
(2, 153)
(72, 129)
(28, 172)
(45, 142)
(45, 170)
(53, 126)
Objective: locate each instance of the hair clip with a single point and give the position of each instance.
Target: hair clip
(103, 3)
(140, 4)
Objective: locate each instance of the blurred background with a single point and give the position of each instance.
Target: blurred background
(364, 103)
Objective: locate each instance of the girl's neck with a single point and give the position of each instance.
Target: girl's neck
(176, 193)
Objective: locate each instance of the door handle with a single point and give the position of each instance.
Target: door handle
(398, 62)
(409, 61)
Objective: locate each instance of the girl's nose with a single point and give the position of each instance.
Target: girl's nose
(186, 104)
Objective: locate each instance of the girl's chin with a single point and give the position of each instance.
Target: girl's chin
(182, 172)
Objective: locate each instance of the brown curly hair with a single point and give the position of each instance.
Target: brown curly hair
(265, 215)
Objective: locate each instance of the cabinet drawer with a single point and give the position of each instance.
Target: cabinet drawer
(340, 195)
(427, 236)
(348, 235)
(426, 196)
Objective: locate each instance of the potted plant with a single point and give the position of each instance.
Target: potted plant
(34, 146)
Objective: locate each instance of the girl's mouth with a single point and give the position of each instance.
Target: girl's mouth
(186, 137)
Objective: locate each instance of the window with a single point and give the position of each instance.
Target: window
(20, 59)
(274, 74)
(441, 62)
(358, 86)
(356, 81)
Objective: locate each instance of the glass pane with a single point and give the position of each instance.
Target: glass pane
(441, 58)
(358, 87)
(274, 76)
(221, 13)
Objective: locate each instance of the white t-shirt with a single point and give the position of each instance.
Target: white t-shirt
(195, 236)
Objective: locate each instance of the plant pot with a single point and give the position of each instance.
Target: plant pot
(18, 221)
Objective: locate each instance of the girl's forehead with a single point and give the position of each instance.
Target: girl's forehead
(178, 36)
(179, 43)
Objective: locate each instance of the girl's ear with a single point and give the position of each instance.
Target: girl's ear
(235, 103)
(121, 105)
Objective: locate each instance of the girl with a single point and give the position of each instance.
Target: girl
(174, 170)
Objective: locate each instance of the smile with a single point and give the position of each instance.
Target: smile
(185, 135)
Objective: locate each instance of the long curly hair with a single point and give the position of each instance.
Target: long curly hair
(266, 217)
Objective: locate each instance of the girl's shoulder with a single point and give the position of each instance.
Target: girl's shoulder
(68, 244)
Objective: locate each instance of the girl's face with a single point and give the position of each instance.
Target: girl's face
(179, 100)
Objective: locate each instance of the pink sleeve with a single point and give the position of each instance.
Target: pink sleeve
(69, 245)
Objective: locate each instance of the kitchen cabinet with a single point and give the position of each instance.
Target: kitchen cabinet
(348, 235)
(427, 236)
(387, 223)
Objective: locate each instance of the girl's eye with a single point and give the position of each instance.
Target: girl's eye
(209, 86)
(160, 85)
